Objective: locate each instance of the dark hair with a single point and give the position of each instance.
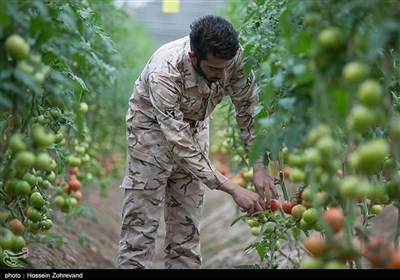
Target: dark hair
(213, 34)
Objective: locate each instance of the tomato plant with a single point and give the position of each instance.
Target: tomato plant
(328, 95)
(54, 94)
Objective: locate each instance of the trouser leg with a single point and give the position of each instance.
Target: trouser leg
(142, 208)
(183, 209)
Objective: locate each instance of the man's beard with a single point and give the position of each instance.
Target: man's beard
(200, 71)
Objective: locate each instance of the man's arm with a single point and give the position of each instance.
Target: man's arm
(245, 100)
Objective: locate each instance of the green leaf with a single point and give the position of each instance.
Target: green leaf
(5, 102)
(42, 8)
(296, 233)
(82, 239)
(4, 19)
(105, 38)
(293, 135)
(261, 250)
(27, 80)
(288, 103)
(77, 79)
(237, 219)
(258, 148)
(341, 100)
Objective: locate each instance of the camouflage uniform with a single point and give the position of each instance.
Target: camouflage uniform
(167, 162)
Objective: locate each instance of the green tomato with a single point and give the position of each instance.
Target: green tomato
(297, 160)
(47, 224)
(304, 225)
(277, 245)
(255, 230)
(330, 38)
(355, 71)
(83, 107)
(19, 244)
(310, 263)
(41, 137)
(25, 159)
(269, 227)
(297, 211)
(6, 238)
(376, 209)
(370, 92)
(252, 222)
(348, 187)
(24, 66)
(43, 161)
(33, 214)
(310, 216)
(42, 120)
(39, 77)
(361, 118)
(297, 176)
(58, 137)
(325, 146)
(17, 47)
(35, 58)
(312, 156)
(372, 154)
(16, 143)
(229, 132)
(59, 201)
(36, 200)
(395, 127)
(22, 188)
(73, 160)
(51, 176)
(248, 175)
(55, 113)
(335, 264)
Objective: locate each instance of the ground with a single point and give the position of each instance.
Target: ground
(91, 242)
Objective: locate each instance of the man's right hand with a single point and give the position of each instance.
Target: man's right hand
(248, 201)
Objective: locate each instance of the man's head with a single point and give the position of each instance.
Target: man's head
(214, 43)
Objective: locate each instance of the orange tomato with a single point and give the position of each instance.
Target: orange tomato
(74, 184)
(315, 245)
(16, 226)
(379, 251)
(394, 262)
(334, 218)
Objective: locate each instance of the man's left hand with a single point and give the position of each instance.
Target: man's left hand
(264, 183)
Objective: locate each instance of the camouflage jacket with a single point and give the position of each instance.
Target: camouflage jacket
(169, 111)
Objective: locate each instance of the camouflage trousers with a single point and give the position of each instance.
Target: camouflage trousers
(150, 191)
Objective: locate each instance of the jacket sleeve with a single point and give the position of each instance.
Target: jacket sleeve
(244, 99)
(165, 97)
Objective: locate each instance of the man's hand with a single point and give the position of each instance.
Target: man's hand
(248, 201)
(264, 183)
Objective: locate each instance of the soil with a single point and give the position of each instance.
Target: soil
(90, 241)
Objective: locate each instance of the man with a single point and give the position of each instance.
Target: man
(168, 143)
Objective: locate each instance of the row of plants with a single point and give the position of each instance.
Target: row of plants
(328, 121)
(67, 69)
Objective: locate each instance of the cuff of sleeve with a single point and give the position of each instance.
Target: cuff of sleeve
(262, 159)
(220, 179)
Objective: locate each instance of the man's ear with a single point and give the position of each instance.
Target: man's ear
(192, 57)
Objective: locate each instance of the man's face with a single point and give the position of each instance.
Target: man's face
(212, 68)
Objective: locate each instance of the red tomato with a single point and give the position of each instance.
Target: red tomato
(287, 206)
(274, 205)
